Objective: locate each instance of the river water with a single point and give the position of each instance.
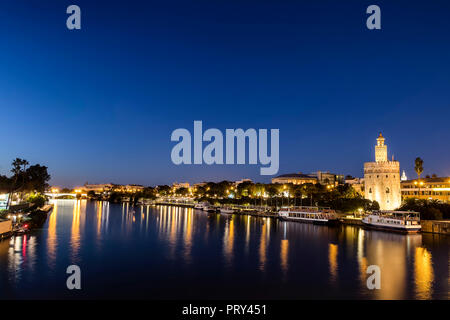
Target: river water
(161, 252)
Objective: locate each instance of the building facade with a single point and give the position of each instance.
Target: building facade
(428, 189)
(109, 187)
(357, 184)
(178, 185)
(294, 178)
(382, 178)
(326, 178)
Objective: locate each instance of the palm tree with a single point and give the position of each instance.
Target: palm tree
(418, 166)
(18, 170)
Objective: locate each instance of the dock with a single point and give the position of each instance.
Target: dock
(351, 221)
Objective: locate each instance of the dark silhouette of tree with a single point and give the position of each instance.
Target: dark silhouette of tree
(36, 178)
(418, 166)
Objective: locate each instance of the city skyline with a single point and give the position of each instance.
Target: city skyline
(99, 104)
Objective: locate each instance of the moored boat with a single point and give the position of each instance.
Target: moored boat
(398, 221)
(210, 209)
(226, 210)
(314, 215)
(201, 205)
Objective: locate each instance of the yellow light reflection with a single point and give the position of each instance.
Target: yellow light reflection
(423, 273)
(332, 261)
(188, 234)
(52, 240)
(284, 254)
(228, 240)
(75, 232)
(263, 248)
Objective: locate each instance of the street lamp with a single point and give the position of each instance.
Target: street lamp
(360, 211)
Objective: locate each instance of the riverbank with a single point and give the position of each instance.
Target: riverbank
(428, 226)
(438, 226)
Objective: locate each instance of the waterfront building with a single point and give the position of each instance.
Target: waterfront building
(357, 184)
(179, 185)
(382, 178)
(128, 188)
(200, 184)
(325, 177)
(236, 183)
(295, 178)
(109, 187)
(428, 189)
(4, 200)
(98, 188)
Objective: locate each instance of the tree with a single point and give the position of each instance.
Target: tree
(36, 178)
(164, 190)
(5, 184)
(375, 205)
(19, 166)
(91, 194)
(429, 209)
(31, 179)
(37, 199)
(418, 166)
(182, 191)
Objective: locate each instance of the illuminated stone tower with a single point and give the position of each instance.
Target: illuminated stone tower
(382, 178)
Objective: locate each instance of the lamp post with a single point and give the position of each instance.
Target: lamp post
(418, 183)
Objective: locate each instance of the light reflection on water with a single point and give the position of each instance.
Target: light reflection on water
(173, 252)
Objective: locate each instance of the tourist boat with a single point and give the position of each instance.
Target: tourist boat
(314, 215)
(226, 210)
(400, 221)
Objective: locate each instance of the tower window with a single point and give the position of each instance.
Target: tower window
(370, 190)
(387, 190)
(387, 176)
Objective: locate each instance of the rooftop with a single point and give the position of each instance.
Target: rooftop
(430, 180)
(296, 175)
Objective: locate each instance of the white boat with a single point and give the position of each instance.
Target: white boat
(309, 215)
(400, 221)
(226, 210)
(201, 206)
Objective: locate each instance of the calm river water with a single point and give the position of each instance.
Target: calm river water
(177, 253)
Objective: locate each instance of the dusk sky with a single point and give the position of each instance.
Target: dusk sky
(99, 104)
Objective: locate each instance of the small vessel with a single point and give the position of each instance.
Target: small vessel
(210, 209)
(226, 210)
(314, 215)
(201, 205)
(399, 221)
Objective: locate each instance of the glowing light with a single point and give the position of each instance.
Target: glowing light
(424, 275)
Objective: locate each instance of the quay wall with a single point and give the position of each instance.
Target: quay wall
(438, 226)
(351, 221)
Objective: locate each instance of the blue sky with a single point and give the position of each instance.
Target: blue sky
(99, 104)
